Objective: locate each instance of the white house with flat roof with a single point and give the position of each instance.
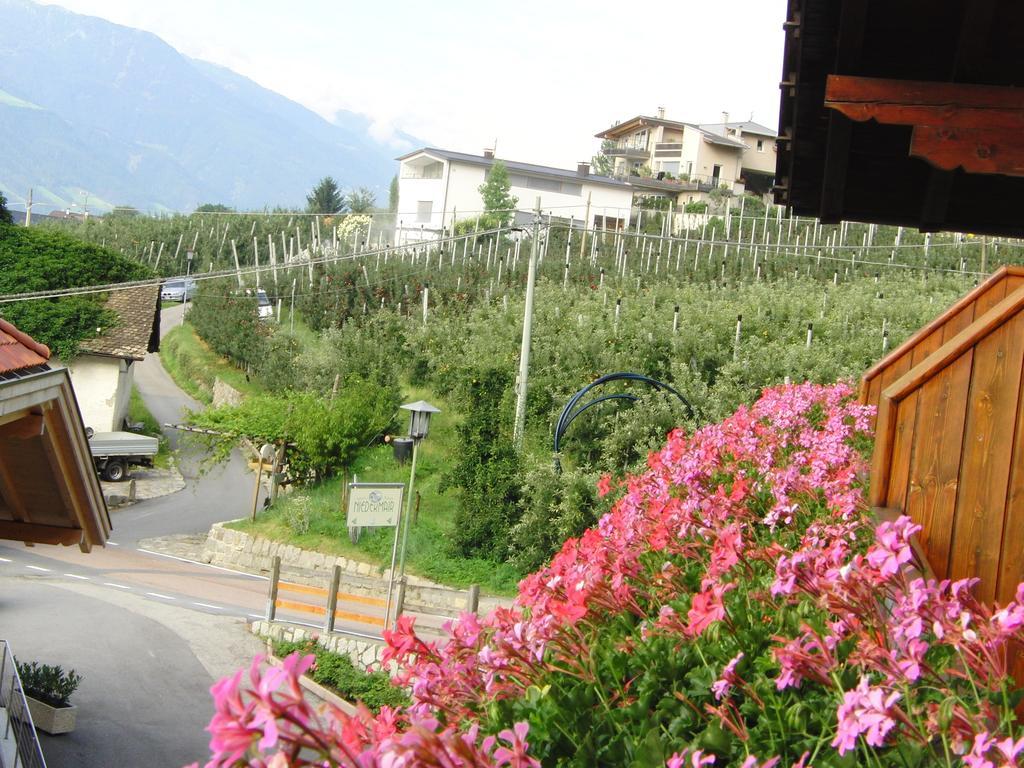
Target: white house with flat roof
(437, 187)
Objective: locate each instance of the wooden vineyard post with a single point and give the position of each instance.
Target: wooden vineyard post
(275, 576)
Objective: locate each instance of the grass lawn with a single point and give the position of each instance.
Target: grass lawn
(194, 366)
(138, 412)
(323, 527)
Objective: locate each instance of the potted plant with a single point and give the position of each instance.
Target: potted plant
(48, 691)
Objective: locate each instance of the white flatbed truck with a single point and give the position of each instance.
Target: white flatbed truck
(114, 452)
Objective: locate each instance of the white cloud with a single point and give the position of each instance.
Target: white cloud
(540, 77)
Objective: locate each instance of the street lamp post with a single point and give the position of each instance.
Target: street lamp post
(419, 426)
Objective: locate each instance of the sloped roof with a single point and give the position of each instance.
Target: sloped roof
(137, 331)
(745, 126)
(641, 120)
(19, 351)
(514, 166)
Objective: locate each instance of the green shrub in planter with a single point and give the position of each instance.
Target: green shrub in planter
(48, 684)
(337, 672)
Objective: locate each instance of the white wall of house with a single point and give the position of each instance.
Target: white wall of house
(103, 386)
(456, 195)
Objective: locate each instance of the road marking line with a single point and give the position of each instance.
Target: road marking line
(112, 584)
(113, 544)
(4, 560)
(207, 605)
(38, 568)
(162, 597)
(204, 565)
(257, 616)
(76, 576)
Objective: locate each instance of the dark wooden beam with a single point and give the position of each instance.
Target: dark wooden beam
(25, 428)
(852, 20)
(40, 534)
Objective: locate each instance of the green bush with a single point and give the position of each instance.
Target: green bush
(47, 259)
(323, 433)
(229, 323)
(555, 508)
(47, 683)
(485, 472)
(337, 672)
(697, 206)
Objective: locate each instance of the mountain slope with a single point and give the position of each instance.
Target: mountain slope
(116, 112)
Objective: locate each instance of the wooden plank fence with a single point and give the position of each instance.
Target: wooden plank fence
(318, 601)
(323, 602)
(949, 449)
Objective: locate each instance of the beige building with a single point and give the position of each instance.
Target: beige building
(758, 163)
(737, 156)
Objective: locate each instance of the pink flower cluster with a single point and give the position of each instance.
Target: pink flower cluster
(784, 464)
(267, 723)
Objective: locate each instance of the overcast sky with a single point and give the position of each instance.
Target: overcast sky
(540, 77)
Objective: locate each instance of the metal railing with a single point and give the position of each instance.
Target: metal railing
(19, 747)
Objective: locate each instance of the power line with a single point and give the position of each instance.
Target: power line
(219, 274)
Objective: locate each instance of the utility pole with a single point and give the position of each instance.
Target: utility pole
(524, 353)
(28, 209)
(984, 252)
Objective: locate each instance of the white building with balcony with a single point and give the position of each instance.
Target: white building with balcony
(437, 187)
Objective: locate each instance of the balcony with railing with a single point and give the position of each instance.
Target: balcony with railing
(628, 151)
(19, 747)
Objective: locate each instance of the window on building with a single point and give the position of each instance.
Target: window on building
(760, 145)
(424, 210)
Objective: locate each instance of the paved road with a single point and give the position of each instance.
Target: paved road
(150, 634)
(146, 669)
(224, 493)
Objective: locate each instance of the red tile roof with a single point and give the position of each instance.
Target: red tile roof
(19, 350)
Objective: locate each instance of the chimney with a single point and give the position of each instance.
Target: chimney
(725, 119)
(582, 169)
(661, 113)
(488, 153)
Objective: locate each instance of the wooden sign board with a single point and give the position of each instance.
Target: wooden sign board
(374, 505)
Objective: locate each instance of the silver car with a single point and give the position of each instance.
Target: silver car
(178, 289)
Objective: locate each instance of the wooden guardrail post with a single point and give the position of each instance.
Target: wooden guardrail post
(473, 599)
(275, 576)
(332, 599)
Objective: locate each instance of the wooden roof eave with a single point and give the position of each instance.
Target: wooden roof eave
(52, 393)
(896, 354)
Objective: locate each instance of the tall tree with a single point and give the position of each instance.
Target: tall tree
(326, 197)
(361, 200)
(602, 164)
(5, 215)
(498, 203)
(393, 194)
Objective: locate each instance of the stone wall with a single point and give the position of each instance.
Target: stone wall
(240, 551)
(225, 394)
